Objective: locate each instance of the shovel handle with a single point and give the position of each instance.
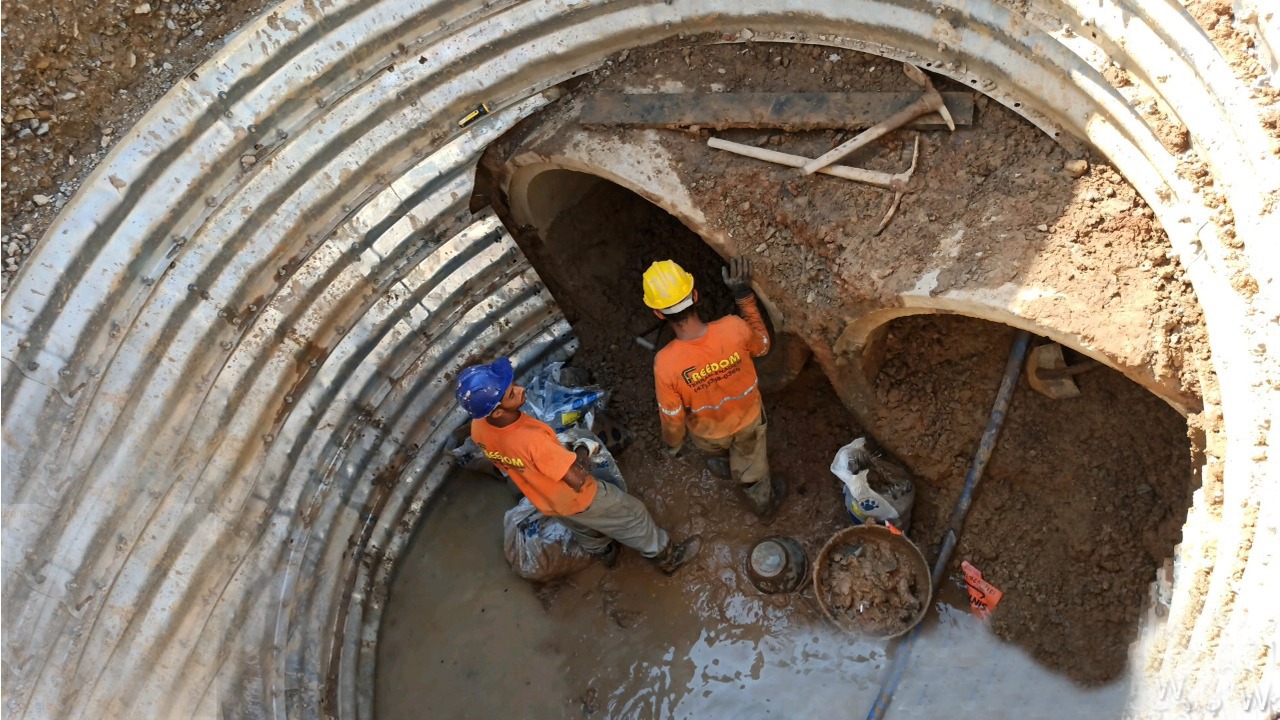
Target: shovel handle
(1066, 372)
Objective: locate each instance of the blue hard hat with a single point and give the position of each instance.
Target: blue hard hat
(481, 387)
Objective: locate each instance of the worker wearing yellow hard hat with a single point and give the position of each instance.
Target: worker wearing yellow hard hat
(706, 381)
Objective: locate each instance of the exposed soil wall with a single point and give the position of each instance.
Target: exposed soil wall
(1083, 499)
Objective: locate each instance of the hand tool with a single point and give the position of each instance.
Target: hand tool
(931, 101)
(643, 338)
(1049, 374)
(888, 181)
(896, 182)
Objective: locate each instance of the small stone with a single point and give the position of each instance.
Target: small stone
(745, 206)
(142, 9)
(40, 200)
(746, 34)
(720, 70)
(248, 160)
(761, 247)
(1076, 168)
(1042, 227)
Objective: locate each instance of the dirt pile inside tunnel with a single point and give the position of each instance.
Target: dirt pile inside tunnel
(1084, 498)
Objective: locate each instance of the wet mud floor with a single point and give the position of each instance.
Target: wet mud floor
(1083, 500)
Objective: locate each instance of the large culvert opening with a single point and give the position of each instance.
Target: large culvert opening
(1083, 501)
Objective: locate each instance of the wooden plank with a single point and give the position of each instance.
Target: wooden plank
(788, 111)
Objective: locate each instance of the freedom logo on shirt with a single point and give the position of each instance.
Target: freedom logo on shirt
(711, 372)
(499, 458)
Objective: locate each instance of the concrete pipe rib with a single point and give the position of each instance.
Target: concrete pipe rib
(227, 389)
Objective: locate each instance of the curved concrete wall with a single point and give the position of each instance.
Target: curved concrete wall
(550, 168)
(227, 384)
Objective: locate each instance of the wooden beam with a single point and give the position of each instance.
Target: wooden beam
(787, 111)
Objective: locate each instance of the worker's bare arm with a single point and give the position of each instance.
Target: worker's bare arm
(577, 476)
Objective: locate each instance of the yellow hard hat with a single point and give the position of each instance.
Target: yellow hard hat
(667, 285)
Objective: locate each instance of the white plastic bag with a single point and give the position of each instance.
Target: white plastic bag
(537, 547)
(873, 487)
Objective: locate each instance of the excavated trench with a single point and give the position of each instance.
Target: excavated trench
(1083, 502)
(227, 386)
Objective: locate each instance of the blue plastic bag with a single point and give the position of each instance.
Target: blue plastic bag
(559, 406)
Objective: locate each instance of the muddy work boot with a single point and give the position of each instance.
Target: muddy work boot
(766, 497)
(677, 554)
(608, 556)
(719, 467)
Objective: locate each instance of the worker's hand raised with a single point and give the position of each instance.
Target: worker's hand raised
(738, 277)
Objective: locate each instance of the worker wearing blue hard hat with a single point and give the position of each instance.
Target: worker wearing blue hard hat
(555, 479)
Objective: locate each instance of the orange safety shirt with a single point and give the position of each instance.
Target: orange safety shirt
(529, 453)
(710, 384)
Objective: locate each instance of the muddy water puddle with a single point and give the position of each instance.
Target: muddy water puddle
(465, 638)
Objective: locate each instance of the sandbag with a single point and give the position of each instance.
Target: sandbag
(874, 486)
(537, 547)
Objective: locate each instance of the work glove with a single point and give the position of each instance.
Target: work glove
(738, 277)
(591, 447)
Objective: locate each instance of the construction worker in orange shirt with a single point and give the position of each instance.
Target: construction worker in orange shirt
(706, 381)
(556, 480)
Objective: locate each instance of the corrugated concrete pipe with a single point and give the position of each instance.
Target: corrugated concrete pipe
(227, 384)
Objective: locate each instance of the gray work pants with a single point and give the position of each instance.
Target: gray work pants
(616, 514)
